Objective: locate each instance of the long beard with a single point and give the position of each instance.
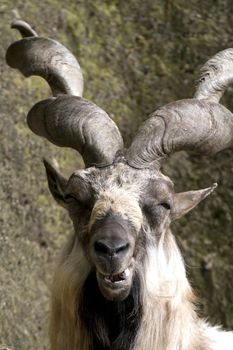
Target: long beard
(110, 325)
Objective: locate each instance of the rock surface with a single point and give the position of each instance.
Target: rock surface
(136, 56)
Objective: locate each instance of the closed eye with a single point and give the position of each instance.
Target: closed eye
(70, 198)
(165, 205)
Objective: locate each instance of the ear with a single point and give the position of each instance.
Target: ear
(186, 201)
(57, 183)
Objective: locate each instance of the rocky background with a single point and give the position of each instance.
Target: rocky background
(136, 56)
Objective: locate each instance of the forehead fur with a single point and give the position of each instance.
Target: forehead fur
(121, 174)
(118, 189)
(121, 202)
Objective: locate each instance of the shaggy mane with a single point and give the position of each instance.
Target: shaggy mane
(110, 325)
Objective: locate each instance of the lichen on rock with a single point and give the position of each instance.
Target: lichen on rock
(136, 56)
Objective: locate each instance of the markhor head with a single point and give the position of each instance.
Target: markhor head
(118, 212)
(120, 204)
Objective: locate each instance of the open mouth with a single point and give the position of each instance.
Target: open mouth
(116, 278)
(114, 281)
(115, 287)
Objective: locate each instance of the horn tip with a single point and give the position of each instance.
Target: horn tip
(215, 185)
(24, 28)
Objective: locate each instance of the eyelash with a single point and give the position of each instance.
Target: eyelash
(165, 205)
(155, 209)
(69, 198)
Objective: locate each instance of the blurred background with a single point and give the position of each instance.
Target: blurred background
(136, 56)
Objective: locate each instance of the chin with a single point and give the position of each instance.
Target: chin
(114, 294)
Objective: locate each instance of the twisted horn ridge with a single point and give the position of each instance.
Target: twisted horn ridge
(46, 58)
(199, 124)
(217, 74)
(89, 129)
(67, 120)
(192, 125)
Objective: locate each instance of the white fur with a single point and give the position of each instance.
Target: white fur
(220, 340)
(170, 321)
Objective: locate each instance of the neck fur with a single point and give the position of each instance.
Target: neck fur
(161, 308)
(169, 320)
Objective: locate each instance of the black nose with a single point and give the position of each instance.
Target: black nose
(112, 247)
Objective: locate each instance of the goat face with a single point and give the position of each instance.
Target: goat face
(118, 212)
(121, 203)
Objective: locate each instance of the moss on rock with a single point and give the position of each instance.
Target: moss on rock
(136, 56)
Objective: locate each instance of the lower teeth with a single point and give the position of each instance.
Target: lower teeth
(117, 278)
(127, 273)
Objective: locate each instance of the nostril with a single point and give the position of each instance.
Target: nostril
(110, 247)
(101, 248)
(122, 248)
